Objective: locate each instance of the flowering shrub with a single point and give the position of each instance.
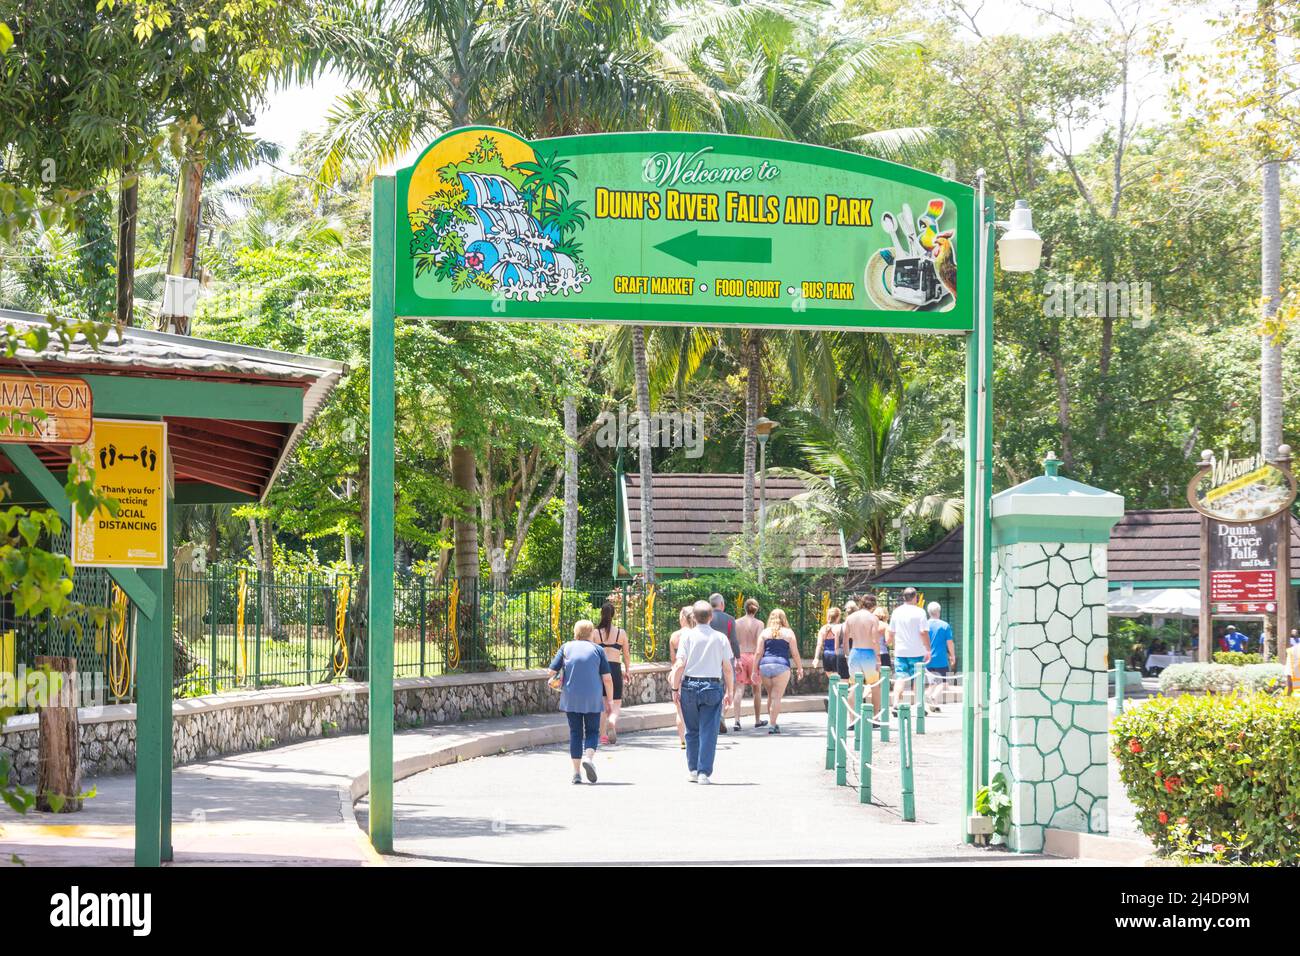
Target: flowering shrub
(1215, 778)
(1237, 658)
(1222, 678)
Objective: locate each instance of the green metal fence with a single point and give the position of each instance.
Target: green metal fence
(239, 628)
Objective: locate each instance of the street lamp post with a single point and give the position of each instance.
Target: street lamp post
(762, 428)
(1019, 250)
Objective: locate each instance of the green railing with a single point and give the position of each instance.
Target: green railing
(243, 629)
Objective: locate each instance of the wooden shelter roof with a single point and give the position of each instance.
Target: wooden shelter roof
(234, 412)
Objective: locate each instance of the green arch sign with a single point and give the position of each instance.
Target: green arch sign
(680, 228)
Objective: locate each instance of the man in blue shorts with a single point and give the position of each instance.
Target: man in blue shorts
(942, 655)
(909, 636)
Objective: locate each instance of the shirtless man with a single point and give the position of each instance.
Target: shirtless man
(747, 630)
(862, 631)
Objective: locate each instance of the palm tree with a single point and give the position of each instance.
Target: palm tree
(540, 68)
(793, 71)
(860, 475)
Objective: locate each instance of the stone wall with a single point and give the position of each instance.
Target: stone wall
(1048, 718)
(205, 727)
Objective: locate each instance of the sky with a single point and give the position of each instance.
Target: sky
(300, 109)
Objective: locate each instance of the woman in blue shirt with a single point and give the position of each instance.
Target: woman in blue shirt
(585, 691)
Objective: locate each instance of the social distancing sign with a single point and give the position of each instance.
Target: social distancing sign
(130, 466)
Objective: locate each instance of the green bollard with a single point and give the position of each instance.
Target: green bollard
(884, 704)
(918, 688)
(841, 734)
(864, 758)
(1119, 687)
(830, 721)
(858, 685)
(905, 761)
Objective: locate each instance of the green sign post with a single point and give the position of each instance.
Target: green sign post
(672, 228)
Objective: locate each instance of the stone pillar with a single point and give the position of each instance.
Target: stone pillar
(1048, 623)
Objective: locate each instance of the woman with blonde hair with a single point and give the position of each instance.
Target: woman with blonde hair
(685, 621)
(778, 648)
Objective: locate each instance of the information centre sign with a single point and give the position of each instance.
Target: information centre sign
(681, 228)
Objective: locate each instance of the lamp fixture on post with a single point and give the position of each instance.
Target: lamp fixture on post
(762, 429)
(1020, 249)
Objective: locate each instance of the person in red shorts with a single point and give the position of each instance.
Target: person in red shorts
(747, 630)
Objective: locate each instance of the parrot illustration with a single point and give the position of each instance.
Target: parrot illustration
(945, 262)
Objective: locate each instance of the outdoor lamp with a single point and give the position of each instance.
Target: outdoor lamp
(1020, 248)
(763, 427)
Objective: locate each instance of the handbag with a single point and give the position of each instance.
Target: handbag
(556, 682)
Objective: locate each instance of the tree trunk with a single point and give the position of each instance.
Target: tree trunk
(270, 612)
(644, 460)
(185, 236)
(752, 358)
(58, 780)
(357, 628)
(569, 558)
(1270, 391)
(128, 201)
(463, 476)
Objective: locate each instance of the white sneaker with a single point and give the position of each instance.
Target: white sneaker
(704, 778)
(693, 776)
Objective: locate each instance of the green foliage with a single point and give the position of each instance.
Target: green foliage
(995, 801)
(1222, 768)
(1222, 678)
(1237, 658)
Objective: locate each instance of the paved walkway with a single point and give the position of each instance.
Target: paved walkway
(772, 801)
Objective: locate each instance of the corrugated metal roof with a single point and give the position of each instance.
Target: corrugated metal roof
(146, 353)
(1148, 544)
(694, 514)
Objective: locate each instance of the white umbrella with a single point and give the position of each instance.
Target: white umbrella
(1158, 602)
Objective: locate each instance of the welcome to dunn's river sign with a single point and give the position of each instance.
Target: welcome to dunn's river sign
(681, 228)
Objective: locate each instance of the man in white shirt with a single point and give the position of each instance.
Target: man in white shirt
(703, 674)
(909, 636)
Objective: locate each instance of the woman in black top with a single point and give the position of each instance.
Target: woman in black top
(619, 651)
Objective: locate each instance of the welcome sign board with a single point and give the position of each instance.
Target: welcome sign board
(681, 228)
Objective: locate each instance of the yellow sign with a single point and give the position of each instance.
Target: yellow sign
(55, 411)
(130, 465)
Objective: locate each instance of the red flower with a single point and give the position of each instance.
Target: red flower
(1171, 784)
(1219, 848)
(1134, 746)
(473, 259)
(1162, 817)
(1182, 819)
(1218, 790)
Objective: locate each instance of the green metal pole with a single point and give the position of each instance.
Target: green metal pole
(214, 600)
(864, 757)
(858, 684)
(905, 761)
(1120, 681)
(884, 704)
(311, 590)
(379, 542)
(148, 728)
(167, 616)
(985, 475)
(423, 621)
(841, 733)
(918, 693)
(257, 641)
(528, 628)
(830, 720)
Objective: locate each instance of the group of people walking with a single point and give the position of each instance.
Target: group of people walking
(865, 637)
(716, 656)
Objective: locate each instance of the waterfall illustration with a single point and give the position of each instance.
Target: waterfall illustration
(511, 229)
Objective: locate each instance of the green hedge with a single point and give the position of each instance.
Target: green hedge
(1222, 678)
(1237, 658)
(1215, 778)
